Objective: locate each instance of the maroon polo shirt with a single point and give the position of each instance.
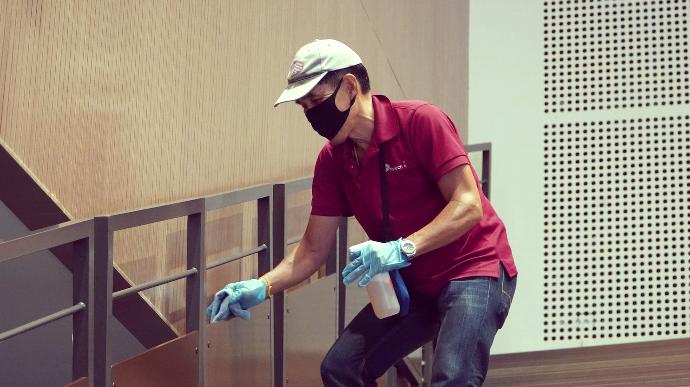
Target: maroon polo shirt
(421, 145)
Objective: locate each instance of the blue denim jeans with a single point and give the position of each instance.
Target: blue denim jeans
(463, 319)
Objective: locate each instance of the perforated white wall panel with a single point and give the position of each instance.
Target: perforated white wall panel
(602, 54)
(617, 228)
(587, 106)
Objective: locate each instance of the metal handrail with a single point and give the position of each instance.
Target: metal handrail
(144, 216)
(243, 195)
(154, 283)
(45, 238)
(81, 235)
(485, 180)
(98, 233)
(294, 240)
(478, 147)
(42, 321)
(195, 210)
(297, 185)
(93, 239)
(235, 257)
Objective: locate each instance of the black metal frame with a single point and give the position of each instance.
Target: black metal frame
(277, 226)
(264, 197)
(92, 241)
(81, 235)
(337, 259)
(485, 180)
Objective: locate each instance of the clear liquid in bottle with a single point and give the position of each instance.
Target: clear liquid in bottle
(382, 296)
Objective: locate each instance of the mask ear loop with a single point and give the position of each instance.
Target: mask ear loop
(335, 92)
(334, 95)
(352, 100)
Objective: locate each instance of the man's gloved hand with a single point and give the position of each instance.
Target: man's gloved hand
(371, 258)
(236, 298)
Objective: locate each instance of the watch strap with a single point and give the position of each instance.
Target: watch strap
(269, 287)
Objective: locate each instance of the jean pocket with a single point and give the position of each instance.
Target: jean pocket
(507, 293)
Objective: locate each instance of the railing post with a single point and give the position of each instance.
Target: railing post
(82, 322)
(196, 287)
(342, 258)
(102, 300)
(427, 362)
(332, 260)
(333, 256)
(486, 171)
(272, 227)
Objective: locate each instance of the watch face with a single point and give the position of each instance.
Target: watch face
(408, 247)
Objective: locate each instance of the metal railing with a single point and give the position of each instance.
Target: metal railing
(80, 234)
(93, 240)
(93, 272)
(485, 179)
(337, 259)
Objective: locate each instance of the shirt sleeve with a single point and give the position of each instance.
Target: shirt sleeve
(327, 194)
(436, 141)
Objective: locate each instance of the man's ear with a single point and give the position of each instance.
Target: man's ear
(353, 84)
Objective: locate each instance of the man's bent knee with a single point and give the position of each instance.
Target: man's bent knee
(332, 367)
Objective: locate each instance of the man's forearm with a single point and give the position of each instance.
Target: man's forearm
(456, 218)
(291, 270)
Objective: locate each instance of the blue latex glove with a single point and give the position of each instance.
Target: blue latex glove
(235, 299)
(371, 258)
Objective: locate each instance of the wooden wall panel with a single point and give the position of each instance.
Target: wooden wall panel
(115, 105)
(426, 48)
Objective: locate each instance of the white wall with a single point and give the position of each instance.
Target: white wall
(506, 108)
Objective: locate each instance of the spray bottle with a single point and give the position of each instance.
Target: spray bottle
(382, 296)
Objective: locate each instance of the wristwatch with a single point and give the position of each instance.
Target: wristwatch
(408, 248)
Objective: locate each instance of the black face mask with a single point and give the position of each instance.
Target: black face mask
(325, 117)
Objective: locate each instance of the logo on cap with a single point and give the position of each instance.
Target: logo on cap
(295, 68)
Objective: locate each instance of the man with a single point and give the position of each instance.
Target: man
(446, 239)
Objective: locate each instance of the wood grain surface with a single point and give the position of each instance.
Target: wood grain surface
(653, 363)
(115, 105)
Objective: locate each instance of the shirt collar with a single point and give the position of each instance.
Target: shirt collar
(386, 125)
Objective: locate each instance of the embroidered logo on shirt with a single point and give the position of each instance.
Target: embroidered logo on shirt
(397, 167)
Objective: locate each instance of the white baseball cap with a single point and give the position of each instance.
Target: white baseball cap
(311, 63)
